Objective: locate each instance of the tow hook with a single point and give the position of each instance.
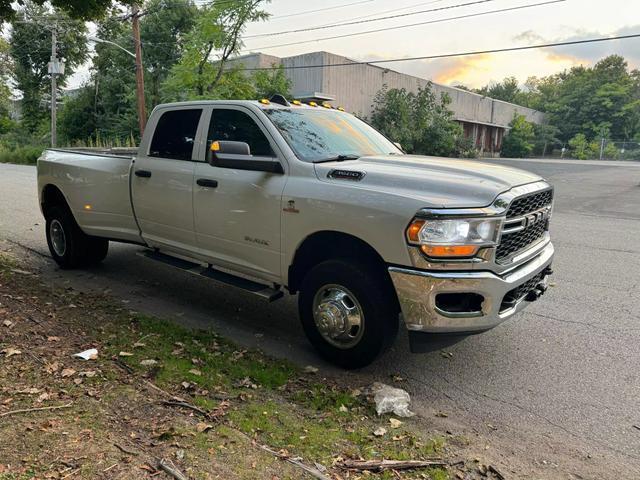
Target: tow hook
(541, 288)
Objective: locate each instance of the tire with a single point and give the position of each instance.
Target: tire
(70, 247)
(337, 286)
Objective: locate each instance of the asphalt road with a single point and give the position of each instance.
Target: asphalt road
(552, 393)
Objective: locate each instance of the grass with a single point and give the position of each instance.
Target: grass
(266, 400)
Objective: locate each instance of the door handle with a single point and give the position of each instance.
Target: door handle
(143, 173)
(205, 182)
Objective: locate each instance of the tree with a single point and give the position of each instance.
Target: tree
(269, 82)
(508, 91)
(519, 141)
(581, 148)
(31, 53)
(420, 122)
(112, 101)
(78, 9)
(546, 138)
(6, 69)
(217, 34)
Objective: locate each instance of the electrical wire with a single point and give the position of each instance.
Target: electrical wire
(358, 22)
(451, 55)
(335, 7)
(428, 22)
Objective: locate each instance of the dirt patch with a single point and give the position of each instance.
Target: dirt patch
(190, 401)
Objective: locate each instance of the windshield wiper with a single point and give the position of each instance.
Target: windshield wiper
(338, 158)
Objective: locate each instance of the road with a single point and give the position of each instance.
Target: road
(552, 393)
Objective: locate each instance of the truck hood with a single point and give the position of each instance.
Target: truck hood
(434, 182)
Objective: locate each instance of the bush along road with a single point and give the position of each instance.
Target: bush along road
(161, 401)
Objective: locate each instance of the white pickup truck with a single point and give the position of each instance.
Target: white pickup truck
(271, 196)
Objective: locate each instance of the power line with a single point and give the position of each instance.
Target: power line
(429, 22)
(421, 4)
(357, 22)
(451, 55)
(335, 7)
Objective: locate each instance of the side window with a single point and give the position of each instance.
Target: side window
(175, 134)
(237, 126)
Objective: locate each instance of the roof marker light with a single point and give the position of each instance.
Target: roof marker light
(296, 102)
(313, 104)
(341, 109)
(264, 101)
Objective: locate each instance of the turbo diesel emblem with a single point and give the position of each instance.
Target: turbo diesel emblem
(346, 175)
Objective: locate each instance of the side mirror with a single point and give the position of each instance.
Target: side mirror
(237, 155)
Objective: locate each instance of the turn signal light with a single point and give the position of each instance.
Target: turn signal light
(449, 250)
(414, 230)
(215, 146)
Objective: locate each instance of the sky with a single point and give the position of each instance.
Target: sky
(553, 22)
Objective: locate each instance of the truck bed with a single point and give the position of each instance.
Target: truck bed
(96, 185)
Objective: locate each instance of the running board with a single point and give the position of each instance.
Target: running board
(263, 291)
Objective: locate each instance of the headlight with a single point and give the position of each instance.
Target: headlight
(454, 237)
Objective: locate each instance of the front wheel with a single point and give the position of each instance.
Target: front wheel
(70, 247)
(348, 312)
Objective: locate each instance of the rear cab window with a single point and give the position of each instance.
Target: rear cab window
(175, 134)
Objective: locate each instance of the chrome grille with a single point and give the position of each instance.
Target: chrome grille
(526, 223)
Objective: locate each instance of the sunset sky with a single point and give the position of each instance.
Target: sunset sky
(572, 19)
(567, 20)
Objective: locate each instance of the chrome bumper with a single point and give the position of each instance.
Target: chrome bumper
(417, 291)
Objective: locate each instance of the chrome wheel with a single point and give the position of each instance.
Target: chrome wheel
(58, 239)
(338, 316)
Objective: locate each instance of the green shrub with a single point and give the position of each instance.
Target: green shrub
(25, 155)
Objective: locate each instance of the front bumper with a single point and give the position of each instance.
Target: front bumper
(417, 291)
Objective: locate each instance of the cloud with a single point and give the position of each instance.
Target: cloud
(589, 53)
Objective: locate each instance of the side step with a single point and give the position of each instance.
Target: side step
(263, 291)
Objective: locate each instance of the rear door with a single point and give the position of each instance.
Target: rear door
(162, 180)
(237, 221)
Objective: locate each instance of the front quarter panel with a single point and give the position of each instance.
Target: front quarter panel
(311, 206)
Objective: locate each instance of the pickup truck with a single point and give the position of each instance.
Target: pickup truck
(273, 196)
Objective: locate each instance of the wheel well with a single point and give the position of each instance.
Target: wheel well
(52, 197)
(326, 245)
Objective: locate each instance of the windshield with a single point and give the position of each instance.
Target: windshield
(319, 134)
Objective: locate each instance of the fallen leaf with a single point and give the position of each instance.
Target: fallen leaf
(395, 423)
(68, 372)
(380, 431)
(139, 345)
(53, 339)
(148, 363)
(88, 374)
(203, 427)
(125, 354)
(7, 323)
(196, 372)
(310, 369)
(442, 415)
(42, 397)
(343, 408)
(10, 352)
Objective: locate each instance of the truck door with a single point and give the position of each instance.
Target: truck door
(162, 180)
(238, 212)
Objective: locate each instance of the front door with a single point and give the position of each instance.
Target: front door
(237, 221)
(162, 181)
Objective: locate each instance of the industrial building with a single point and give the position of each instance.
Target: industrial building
(484, 119)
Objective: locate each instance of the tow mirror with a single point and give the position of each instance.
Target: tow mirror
(237, 155)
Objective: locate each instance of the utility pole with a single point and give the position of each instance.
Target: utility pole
(54, 70)
(142, 114)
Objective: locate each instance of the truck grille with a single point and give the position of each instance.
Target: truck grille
(526, 223)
